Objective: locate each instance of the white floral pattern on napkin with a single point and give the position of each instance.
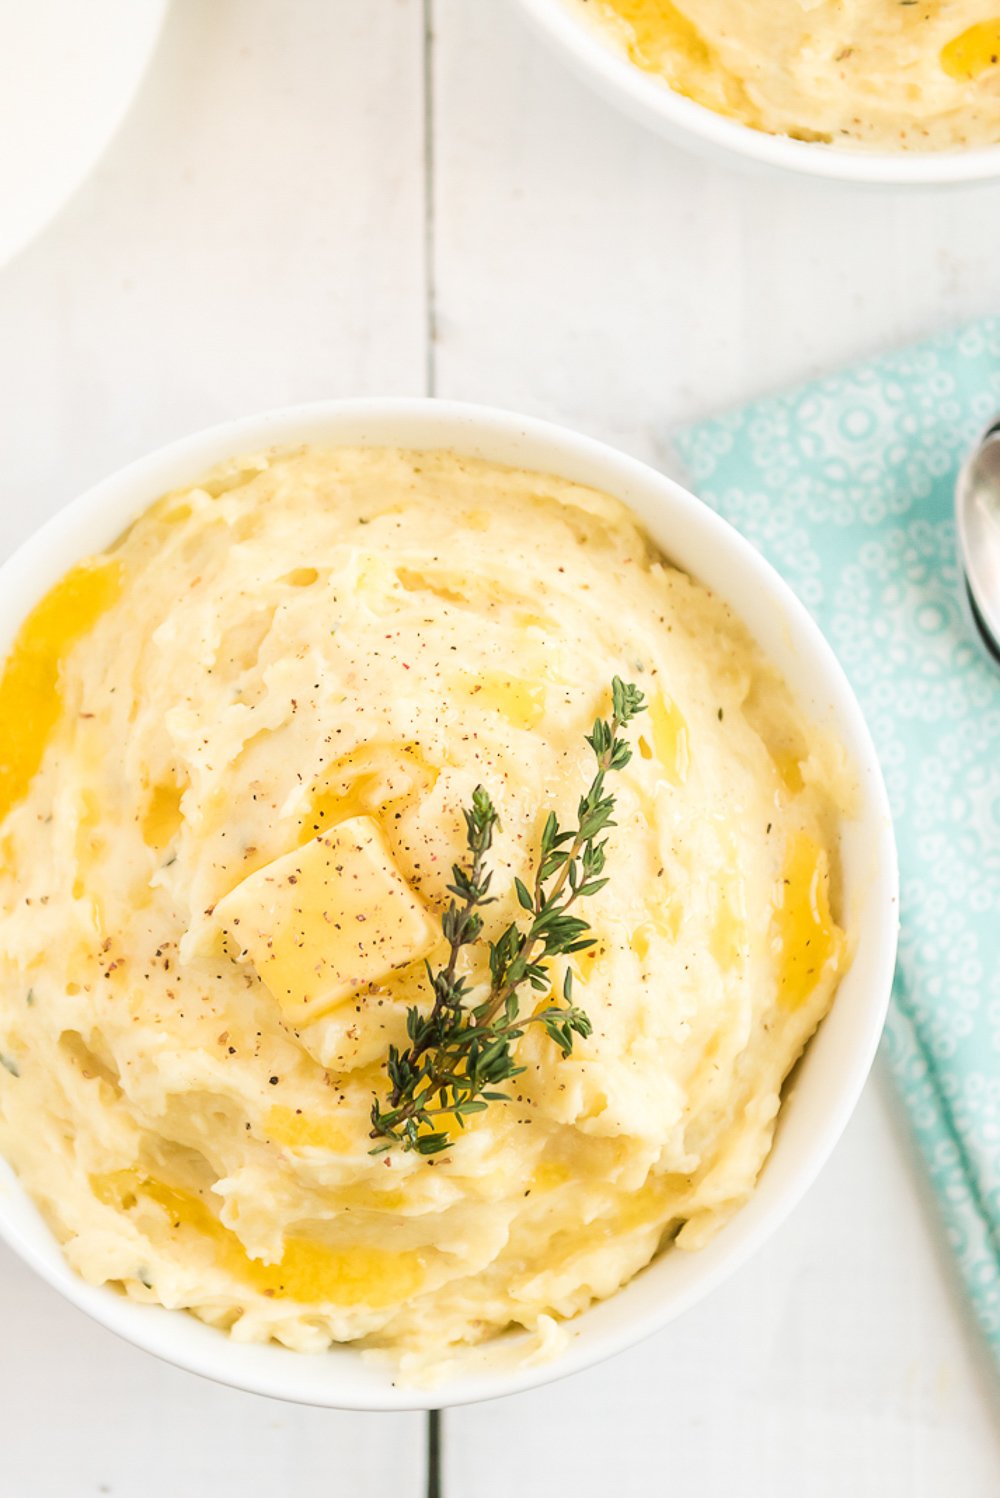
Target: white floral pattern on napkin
(847, 487)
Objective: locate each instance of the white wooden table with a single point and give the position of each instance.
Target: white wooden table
(341, 197)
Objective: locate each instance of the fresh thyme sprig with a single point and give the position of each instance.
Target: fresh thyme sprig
(460, 1053)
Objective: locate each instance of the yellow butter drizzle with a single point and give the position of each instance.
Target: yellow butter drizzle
(521, 702)
(639, 1209)
(528, 620)
(374, 780)
(658, 26)
(660, 35)
(30, 689)
(729, 933)
(640, 940)
(162, 816)
(665, 915)
(789, 767)
(283, 1125)
(973, 52)
(806, 939)
(626, 1212)
(306, 1130)
(310, 1272)
(671, 738)
(548, 1176)
(89, 844)
(301, 577)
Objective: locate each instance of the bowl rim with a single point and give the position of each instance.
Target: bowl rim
(100, 513)
(658, 105)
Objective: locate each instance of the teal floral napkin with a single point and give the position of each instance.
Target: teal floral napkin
(846, 485)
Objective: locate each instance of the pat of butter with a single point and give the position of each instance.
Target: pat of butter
(327, 919)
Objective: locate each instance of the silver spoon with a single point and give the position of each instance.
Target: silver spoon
(977, 513)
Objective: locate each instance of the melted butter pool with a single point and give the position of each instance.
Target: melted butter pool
(671, 738)
(658, 25)
(30, 691)
(974, 52)
(658, 36)
(162, 817)
(521, 702)
(804, 936)
(306, 1130)
(375, 780)
(308, 1271)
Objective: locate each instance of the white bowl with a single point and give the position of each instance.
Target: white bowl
(652, 101)
(829, 1081)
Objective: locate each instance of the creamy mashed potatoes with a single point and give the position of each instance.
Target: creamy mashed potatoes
(887, 74)
(234, 753)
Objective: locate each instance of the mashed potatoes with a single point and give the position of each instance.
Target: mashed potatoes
(887, 74)
(234, 753)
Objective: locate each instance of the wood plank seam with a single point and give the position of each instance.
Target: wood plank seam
(430, 286)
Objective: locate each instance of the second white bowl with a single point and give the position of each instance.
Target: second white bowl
(655, 104)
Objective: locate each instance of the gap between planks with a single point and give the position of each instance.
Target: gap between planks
(430, 279)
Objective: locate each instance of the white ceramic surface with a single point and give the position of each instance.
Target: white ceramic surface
(68, 71)
(828, 1083)
(650, 100)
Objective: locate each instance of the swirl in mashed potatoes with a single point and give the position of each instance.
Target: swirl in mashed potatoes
(884, 74)
(234, 753)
